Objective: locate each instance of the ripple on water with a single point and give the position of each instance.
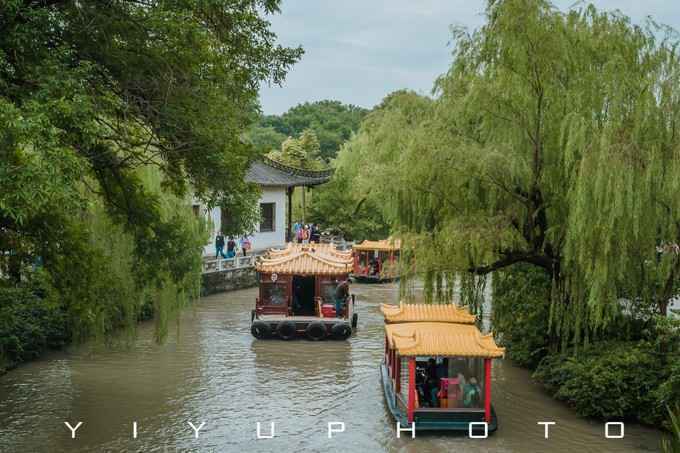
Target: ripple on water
(211, 370)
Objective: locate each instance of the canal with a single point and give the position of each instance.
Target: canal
(211, 370)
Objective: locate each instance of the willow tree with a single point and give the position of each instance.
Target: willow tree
(552, 142)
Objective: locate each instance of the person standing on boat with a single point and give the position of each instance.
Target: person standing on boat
(341, 295)
(219, 245)
(471, 393)
(432, 382)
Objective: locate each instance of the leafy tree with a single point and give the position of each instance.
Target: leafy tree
(265, 138)
(551, 142)
(332, 122)
(302, 152)
(111, 113)
(341, 206)
(110, 87)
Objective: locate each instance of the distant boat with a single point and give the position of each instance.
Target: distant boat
(376, 261)
(297, 294)
(436, 372)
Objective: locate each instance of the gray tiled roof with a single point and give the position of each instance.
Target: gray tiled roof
(270, 173)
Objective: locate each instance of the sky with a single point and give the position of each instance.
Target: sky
(358, 51)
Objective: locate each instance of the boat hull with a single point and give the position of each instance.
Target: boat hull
(301, 324)
(432, 420)
(358, 278)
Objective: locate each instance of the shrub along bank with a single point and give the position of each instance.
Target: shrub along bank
(629, 370)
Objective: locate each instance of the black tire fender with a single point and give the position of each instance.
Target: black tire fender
(286, 330)
(341, 330)
(260, 329)
(316, 331)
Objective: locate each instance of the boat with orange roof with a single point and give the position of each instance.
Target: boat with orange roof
(376, 261)
(436, 371)
(297, 294)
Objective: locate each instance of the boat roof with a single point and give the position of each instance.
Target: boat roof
(426, 313)
(328, 249)
(441, 339)
(383, 245)
(306, 259)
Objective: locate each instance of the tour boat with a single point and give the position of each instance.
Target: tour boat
(436, 373)
(297, 294)
(376, 261)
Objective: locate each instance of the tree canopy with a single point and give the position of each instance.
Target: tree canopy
(123, 109)
(551, 141)
(332, 122)
(301, 152)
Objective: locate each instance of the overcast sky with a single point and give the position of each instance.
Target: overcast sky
(357, 51)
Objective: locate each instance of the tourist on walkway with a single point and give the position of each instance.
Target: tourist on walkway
(299, 233)
(305, 235)
(231, 247)
(296, 230)
(244, 242)
(219, 245)
(314, 235)
(341, 295)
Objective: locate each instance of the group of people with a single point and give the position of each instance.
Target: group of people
(468, 393)
(244, 244)
(305, 234)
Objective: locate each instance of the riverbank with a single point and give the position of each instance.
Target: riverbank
(32, 324)
(628, 371)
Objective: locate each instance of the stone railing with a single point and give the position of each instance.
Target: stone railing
(339, 242)
(225, 264)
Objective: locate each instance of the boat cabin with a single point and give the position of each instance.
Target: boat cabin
(436, 371)
(376, 261)
(298, 293)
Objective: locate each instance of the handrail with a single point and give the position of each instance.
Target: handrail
(223, 264)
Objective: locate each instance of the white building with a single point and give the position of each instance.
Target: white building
(277, 182)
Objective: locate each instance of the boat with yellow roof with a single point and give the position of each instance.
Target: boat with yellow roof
(436, 372)
(298, 294)
(376, 261)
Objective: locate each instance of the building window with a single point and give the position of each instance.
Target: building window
(267, 217)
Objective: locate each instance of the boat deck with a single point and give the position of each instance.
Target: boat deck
(436, 419)
(270, 318)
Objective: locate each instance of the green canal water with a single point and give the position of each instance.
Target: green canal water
(211, 370)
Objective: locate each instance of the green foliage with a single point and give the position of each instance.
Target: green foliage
(672, 445)
(30, 322)
(613, 380)
(111, 113)
(301, 152)
(359, 199)
(521, 307)
(265, 138)
(332, 122)
(550, 142)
